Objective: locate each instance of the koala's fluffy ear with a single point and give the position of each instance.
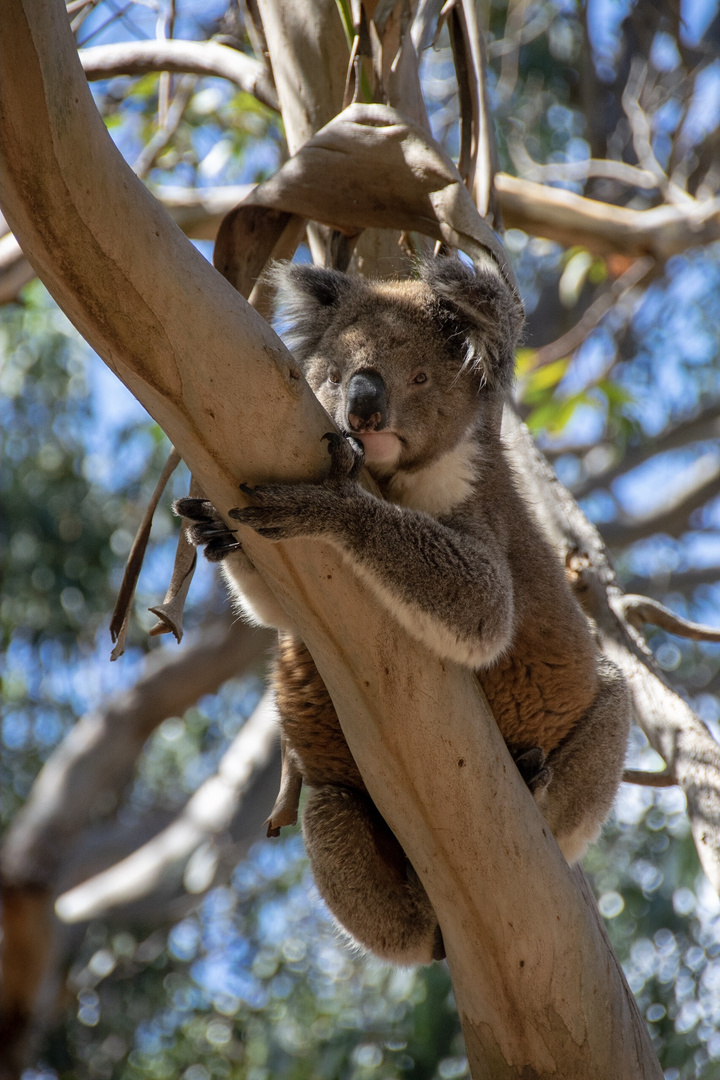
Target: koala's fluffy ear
(477, 302)
(307, 299)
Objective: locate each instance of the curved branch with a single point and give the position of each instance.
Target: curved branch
(206, 814)
(703, 483)
(573, 219)
(182, 57)
(638, 611)
(95, 761)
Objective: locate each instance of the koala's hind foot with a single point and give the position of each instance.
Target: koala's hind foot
(532, 766)
(207, 529)
(365, 878)
(586, 768)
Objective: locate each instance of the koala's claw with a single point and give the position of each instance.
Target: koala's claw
(247, 489)
(207, 529)
(195, 509)
(347, 456)
(531, 766)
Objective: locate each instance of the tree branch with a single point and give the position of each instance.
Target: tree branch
(650, 779)
(183, 57)
(575, 220)
(535, 208)
(95, 761)
(702, 484)
(205, 816)
(640, 611)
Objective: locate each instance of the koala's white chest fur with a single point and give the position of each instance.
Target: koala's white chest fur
(440, 487)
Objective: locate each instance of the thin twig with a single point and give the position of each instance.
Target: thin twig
(123, 604)
(573, 339)
(664, 778)
(165, 29)
(181, 57)
(642, 134)
(149, 154)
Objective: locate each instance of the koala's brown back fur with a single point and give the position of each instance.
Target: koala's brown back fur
(309, 720)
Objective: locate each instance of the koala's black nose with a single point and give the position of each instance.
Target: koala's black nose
(367, 401)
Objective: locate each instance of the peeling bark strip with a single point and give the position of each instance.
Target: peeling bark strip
(123, 605)
(370, 167)
(538, 989)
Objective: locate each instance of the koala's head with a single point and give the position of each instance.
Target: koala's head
(408, 367)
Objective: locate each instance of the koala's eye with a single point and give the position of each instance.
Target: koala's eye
(334, 377)
(420, 378)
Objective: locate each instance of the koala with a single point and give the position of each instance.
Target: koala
(415, 375)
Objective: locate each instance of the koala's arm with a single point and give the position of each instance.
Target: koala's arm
(449, 589)
(206, 528)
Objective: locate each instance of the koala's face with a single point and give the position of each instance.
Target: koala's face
(406, 366)
(385, 372)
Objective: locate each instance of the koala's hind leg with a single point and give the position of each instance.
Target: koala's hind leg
(365, 878)
(586, 768)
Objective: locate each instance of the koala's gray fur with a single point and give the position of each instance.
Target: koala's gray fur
(417, 372)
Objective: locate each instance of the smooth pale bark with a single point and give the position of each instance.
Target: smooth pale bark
(188, 57)
(309, 37)
(572, 219)
(538, 991)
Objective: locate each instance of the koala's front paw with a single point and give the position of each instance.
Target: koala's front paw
(207, 529)
(282, 511)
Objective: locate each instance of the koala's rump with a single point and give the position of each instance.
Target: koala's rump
(536, 703)
(309, 720)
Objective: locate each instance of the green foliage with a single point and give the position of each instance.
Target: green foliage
(57, 558)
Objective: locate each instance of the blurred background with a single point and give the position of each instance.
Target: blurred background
(211, 955)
